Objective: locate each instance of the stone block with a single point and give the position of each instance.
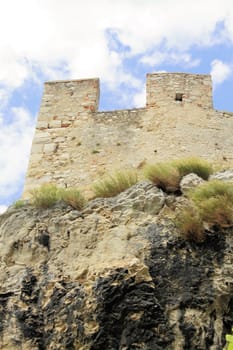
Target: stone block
(42, 124)
(55, 123)
(42, 137)
(50, 148)
(37, 148)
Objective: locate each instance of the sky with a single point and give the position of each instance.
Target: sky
(118, 41)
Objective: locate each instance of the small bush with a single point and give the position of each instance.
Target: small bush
(212, 207)
(115, 184)
(213, 188)
(198, 166)
(45, 196)
(214, 200)
(217, 211)
(190, 224)
(164, 176)
(19, 203)
(73, 197)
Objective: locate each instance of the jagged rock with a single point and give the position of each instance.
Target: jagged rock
(189, 182)
(224, 175)
(144, 196)
(101, 279)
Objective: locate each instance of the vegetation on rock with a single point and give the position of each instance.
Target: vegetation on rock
(19, 203)
(190, 224)
(48, 195)
(45, 196)
(164, 176)
(73, 197)
(195, 165)
(211, 206)
(114, 184)
(167, 175)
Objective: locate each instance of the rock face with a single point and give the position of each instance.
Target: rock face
(224, 175)
(189, 182)
(115, 276)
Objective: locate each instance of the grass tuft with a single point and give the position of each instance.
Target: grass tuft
(213, 188)
(45, 196)
(190, 224)
(19, 204)
(214, 200)
(212, 207)
(73, 197)
(195, 165)
(115, 184)
(164, 176)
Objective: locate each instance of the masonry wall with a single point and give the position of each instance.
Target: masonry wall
(165, 89)
(74, 144)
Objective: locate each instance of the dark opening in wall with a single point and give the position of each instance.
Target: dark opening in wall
(179, 96)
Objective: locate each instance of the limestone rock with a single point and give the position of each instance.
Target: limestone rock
(189, 182)
(103, 280)
(224, 175)
(144, 196)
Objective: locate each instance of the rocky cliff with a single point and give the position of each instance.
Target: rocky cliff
(115, 276)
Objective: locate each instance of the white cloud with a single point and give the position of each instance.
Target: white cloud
(139, 98)
(220, 71)
(3, 208)
(157, 58)
(15, 143)
(72, 33)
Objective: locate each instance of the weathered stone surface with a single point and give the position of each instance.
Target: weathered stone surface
(50, 148)
(143, 196)
(104, 279)
(189, 182)
(224, 175)
(55, 124)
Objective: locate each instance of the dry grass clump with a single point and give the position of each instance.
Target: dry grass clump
(195, 165)
(167, 175)
(214, 200)
(19, 204)
(114, 184)
(213, 188)
(45, 196)
(73, 197)
(164, 176)
(190, 224)
(48, 195)
(211, 206)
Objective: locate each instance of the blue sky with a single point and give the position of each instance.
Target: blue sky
(117, 41)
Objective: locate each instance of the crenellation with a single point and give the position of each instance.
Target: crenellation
(74, 143)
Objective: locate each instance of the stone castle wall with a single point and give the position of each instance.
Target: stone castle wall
(74, 144)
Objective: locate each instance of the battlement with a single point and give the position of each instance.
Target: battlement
(74, 143)
(70, 98)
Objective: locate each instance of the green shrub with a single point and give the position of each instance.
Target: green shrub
(212, 206)
(19, 204)
(164, 176)
(214, 200)
(217, 211)
(167, 175)
(190, 224)
(73, 197)
(194, 165)
(213, 188)
(115, 184)
(45, 196)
